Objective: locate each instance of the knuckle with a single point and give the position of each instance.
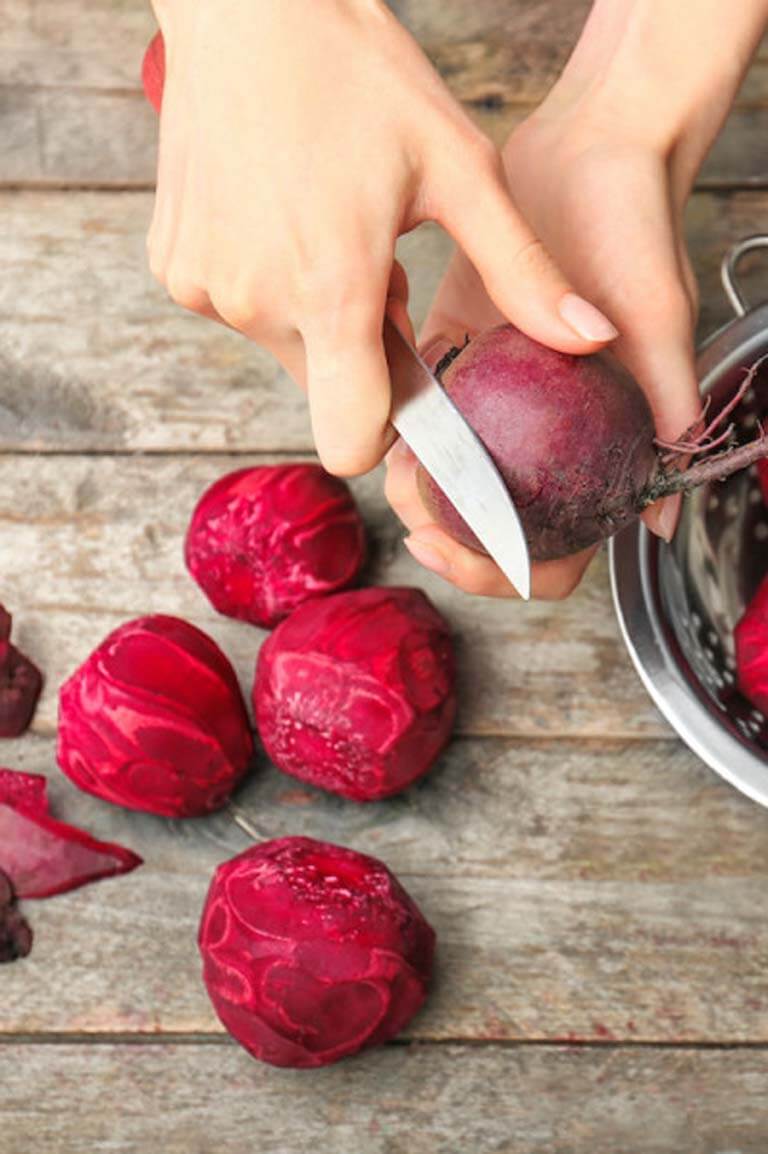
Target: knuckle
(347, 460)
(237, 306)
(486, 155)
(183, 290)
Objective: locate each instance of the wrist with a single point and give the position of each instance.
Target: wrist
(653, 72)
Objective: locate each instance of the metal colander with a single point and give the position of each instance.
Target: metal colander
(678, 604)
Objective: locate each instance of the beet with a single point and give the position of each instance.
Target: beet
(20, 683)
(154, 720)
(355, 693)
(15, 934)
(28, 791)
(312, 951)
(762, 473)
(573, 437)
(751, 637)
(264, 540)
(153, 71)
(44, 857)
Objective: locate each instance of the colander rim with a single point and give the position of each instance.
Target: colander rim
(633, 557)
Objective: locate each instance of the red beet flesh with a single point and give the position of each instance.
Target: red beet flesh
(355, 693)
(751, 637)
(762, 473)
(264, 540)
(41, 856)
(154, 720)
(573, 438)
(15, 934)
(153, 71)
(44, 857)
(28, 791)
(311, 951)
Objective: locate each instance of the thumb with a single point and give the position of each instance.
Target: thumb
(474, 205)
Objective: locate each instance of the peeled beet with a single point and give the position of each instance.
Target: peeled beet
(264, 540)
(762, 473)
(154, 720)
(751, 637)
(355, 693)
(153, 71)
(311, 951)
(573, 438)
(15, 934)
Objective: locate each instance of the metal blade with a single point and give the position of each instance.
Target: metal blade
(455, 458)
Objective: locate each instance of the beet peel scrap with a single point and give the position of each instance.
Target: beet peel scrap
(15, 934)
(43, 857)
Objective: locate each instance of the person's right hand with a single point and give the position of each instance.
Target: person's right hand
(298, 140)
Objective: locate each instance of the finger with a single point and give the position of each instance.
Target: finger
(477, 574)
(348, 382)
(461, 307)
(465, 568)
(473, 204)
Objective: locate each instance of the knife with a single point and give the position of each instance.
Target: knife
(455, 458)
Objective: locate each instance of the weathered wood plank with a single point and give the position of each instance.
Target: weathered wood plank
(117, 1099)
(86, 542)
(70, 106)
(93, 355)
(578, 891)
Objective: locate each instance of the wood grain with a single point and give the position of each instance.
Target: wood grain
(414, 1100)
(71, 111)
(579, 892)
(93, 355)
(87, 542)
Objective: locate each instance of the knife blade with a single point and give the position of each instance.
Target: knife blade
(455, 458)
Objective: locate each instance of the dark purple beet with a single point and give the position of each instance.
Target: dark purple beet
(20, 685)
(15, 934)
(573, 438)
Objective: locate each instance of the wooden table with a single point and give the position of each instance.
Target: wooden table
(600, 897)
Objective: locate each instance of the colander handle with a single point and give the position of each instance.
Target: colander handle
(729, 268)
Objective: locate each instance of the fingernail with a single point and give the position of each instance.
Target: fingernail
(435, 349)
(427, 556)
(399, 453)
(585, 319)
(668, 515)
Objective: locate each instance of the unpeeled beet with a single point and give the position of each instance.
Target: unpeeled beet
(573, 438)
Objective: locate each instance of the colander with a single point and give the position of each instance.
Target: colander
(677, 604)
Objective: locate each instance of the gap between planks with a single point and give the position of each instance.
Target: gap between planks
(711, 185)
(222, 1039)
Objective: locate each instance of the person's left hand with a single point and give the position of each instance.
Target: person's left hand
(609, 209)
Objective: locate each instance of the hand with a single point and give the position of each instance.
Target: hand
(297, 141)
(603, 171)
(610, 210)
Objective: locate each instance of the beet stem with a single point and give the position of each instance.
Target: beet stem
(240, 819)
(716, 468)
